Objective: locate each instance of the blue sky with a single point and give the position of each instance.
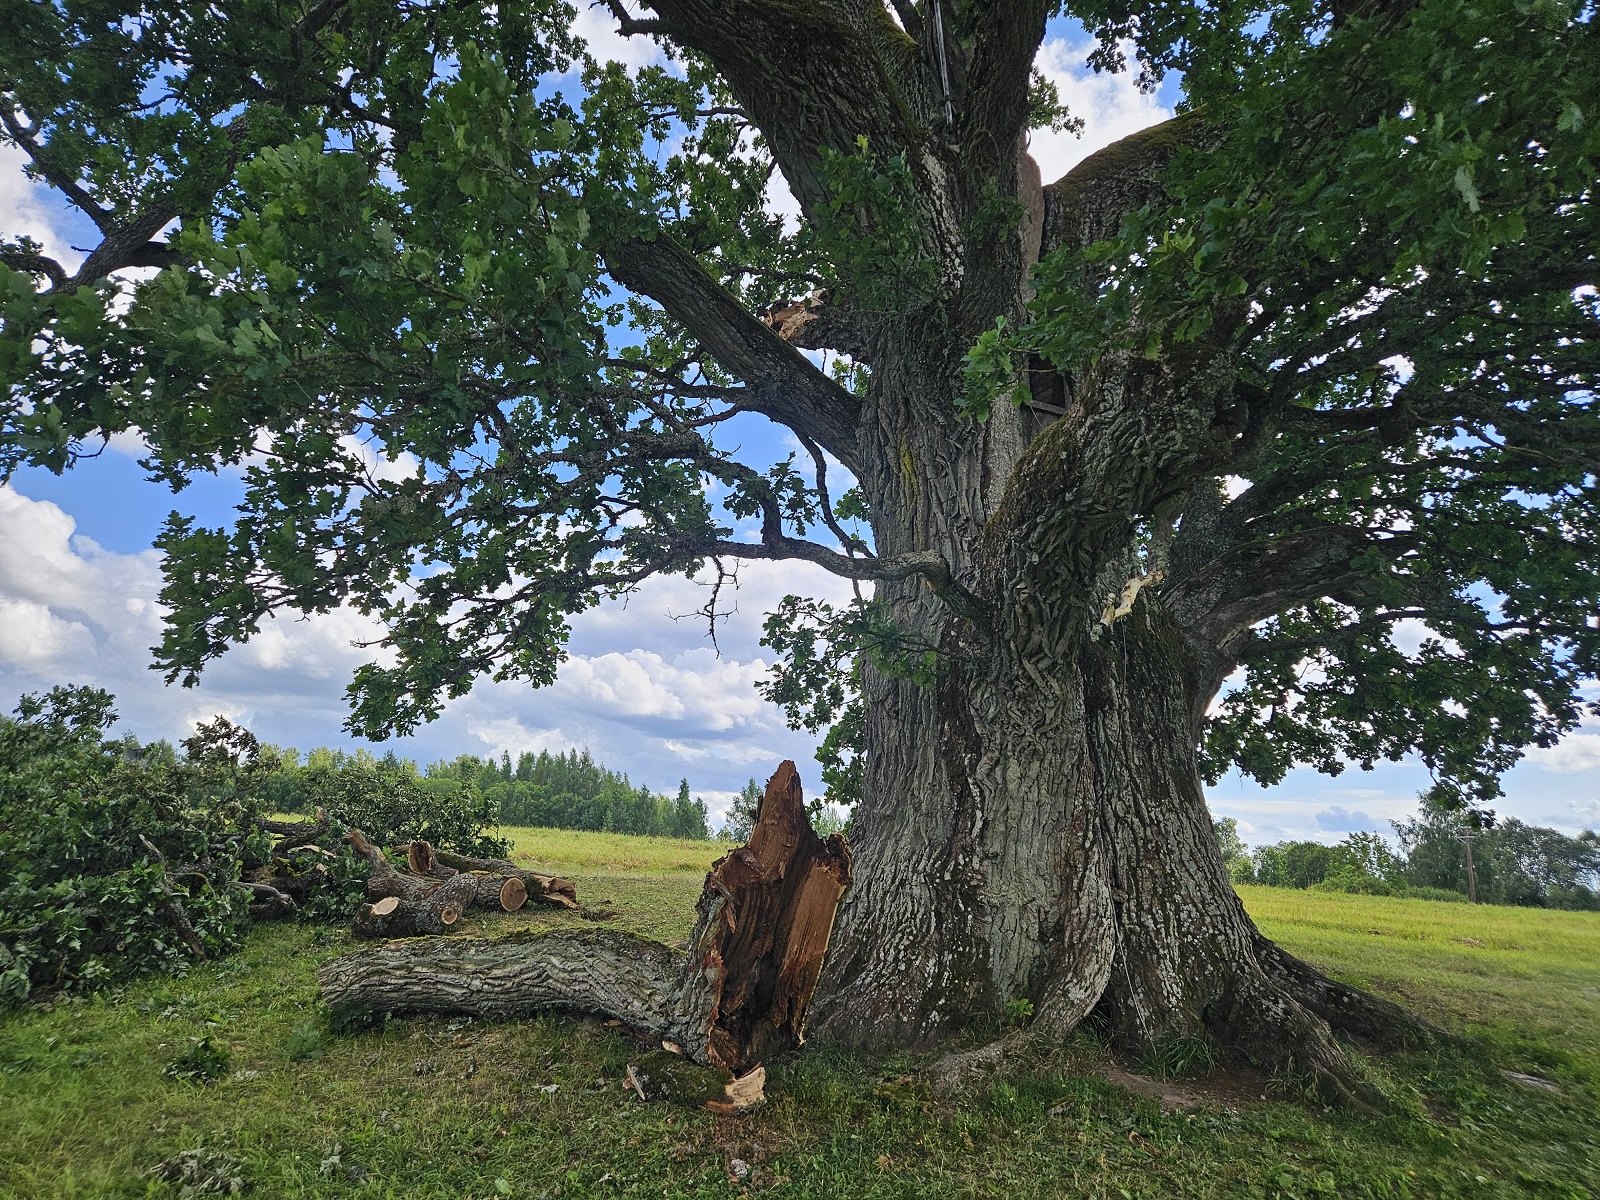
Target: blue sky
(642, 686)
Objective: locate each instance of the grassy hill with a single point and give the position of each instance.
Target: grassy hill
(440, 1108)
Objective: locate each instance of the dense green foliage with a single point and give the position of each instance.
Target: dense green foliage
(570, 791)
(391, 229)
(447, 799)
(384, 798)
(123, 858)
(1515, 863)
(1386, 237)
(95, 832)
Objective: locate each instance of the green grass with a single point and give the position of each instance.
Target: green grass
(440, 1108)
(574, 850)
(1524, 974)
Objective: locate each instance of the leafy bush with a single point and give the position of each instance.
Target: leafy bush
(304, 1043)
(202, 1062)
(392, 807)
(1515, 863)
(1357, 883)
(118, 862)
(1292, 864)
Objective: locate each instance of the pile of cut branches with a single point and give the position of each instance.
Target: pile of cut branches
(438, 887)
(124, 857)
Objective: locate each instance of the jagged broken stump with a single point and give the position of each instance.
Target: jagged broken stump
(734, 1000)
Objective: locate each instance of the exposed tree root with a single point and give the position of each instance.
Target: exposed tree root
(1379, 1022)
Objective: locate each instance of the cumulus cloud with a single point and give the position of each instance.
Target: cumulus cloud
(1575, 752)
(29, 209)
(1343, 820)
(646, 693)
(597, 27)
(1110, 104)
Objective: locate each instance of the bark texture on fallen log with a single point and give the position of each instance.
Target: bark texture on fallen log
(425, 859)
(383, 877)
(398, 917)
(736, 998)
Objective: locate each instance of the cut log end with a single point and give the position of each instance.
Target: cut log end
(513, 894)
(439, 911)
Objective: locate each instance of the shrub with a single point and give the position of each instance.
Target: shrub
(1358, 883)
(125, 858)
(202, 1062)
(118, 861)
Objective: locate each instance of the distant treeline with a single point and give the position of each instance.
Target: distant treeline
(1515, 863)
(561, 791)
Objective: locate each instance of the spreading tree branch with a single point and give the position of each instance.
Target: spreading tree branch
(781, 383)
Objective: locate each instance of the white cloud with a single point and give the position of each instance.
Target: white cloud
(1111, 106)
(33, 636)
(29, 208)
(1575, 752)
(596, 26)
(507, 735)
(647, 694)
(1343, 820)
(377, 464)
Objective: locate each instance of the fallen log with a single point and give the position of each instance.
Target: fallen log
(425, 859)
(384, 879)
(735, 999)
(395, 917)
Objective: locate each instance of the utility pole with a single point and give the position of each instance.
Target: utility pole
(1472, 875)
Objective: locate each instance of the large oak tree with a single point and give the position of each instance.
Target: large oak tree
(1232, 400)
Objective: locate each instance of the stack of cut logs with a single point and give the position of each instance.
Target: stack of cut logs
(438, 888)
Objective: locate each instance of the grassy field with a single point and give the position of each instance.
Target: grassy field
(440, 1108)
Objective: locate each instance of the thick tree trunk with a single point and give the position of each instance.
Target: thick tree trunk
(1033, 824)
(1034, 829)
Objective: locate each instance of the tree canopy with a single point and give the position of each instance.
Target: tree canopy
(546, 288)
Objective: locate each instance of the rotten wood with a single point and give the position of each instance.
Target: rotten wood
(756, 952)
(737, 998)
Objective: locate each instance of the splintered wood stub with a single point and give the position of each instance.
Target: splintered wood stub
(765, 917)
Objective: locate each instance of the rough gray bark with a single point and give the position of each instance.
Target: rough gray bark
(424, 859)
(437, 911)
